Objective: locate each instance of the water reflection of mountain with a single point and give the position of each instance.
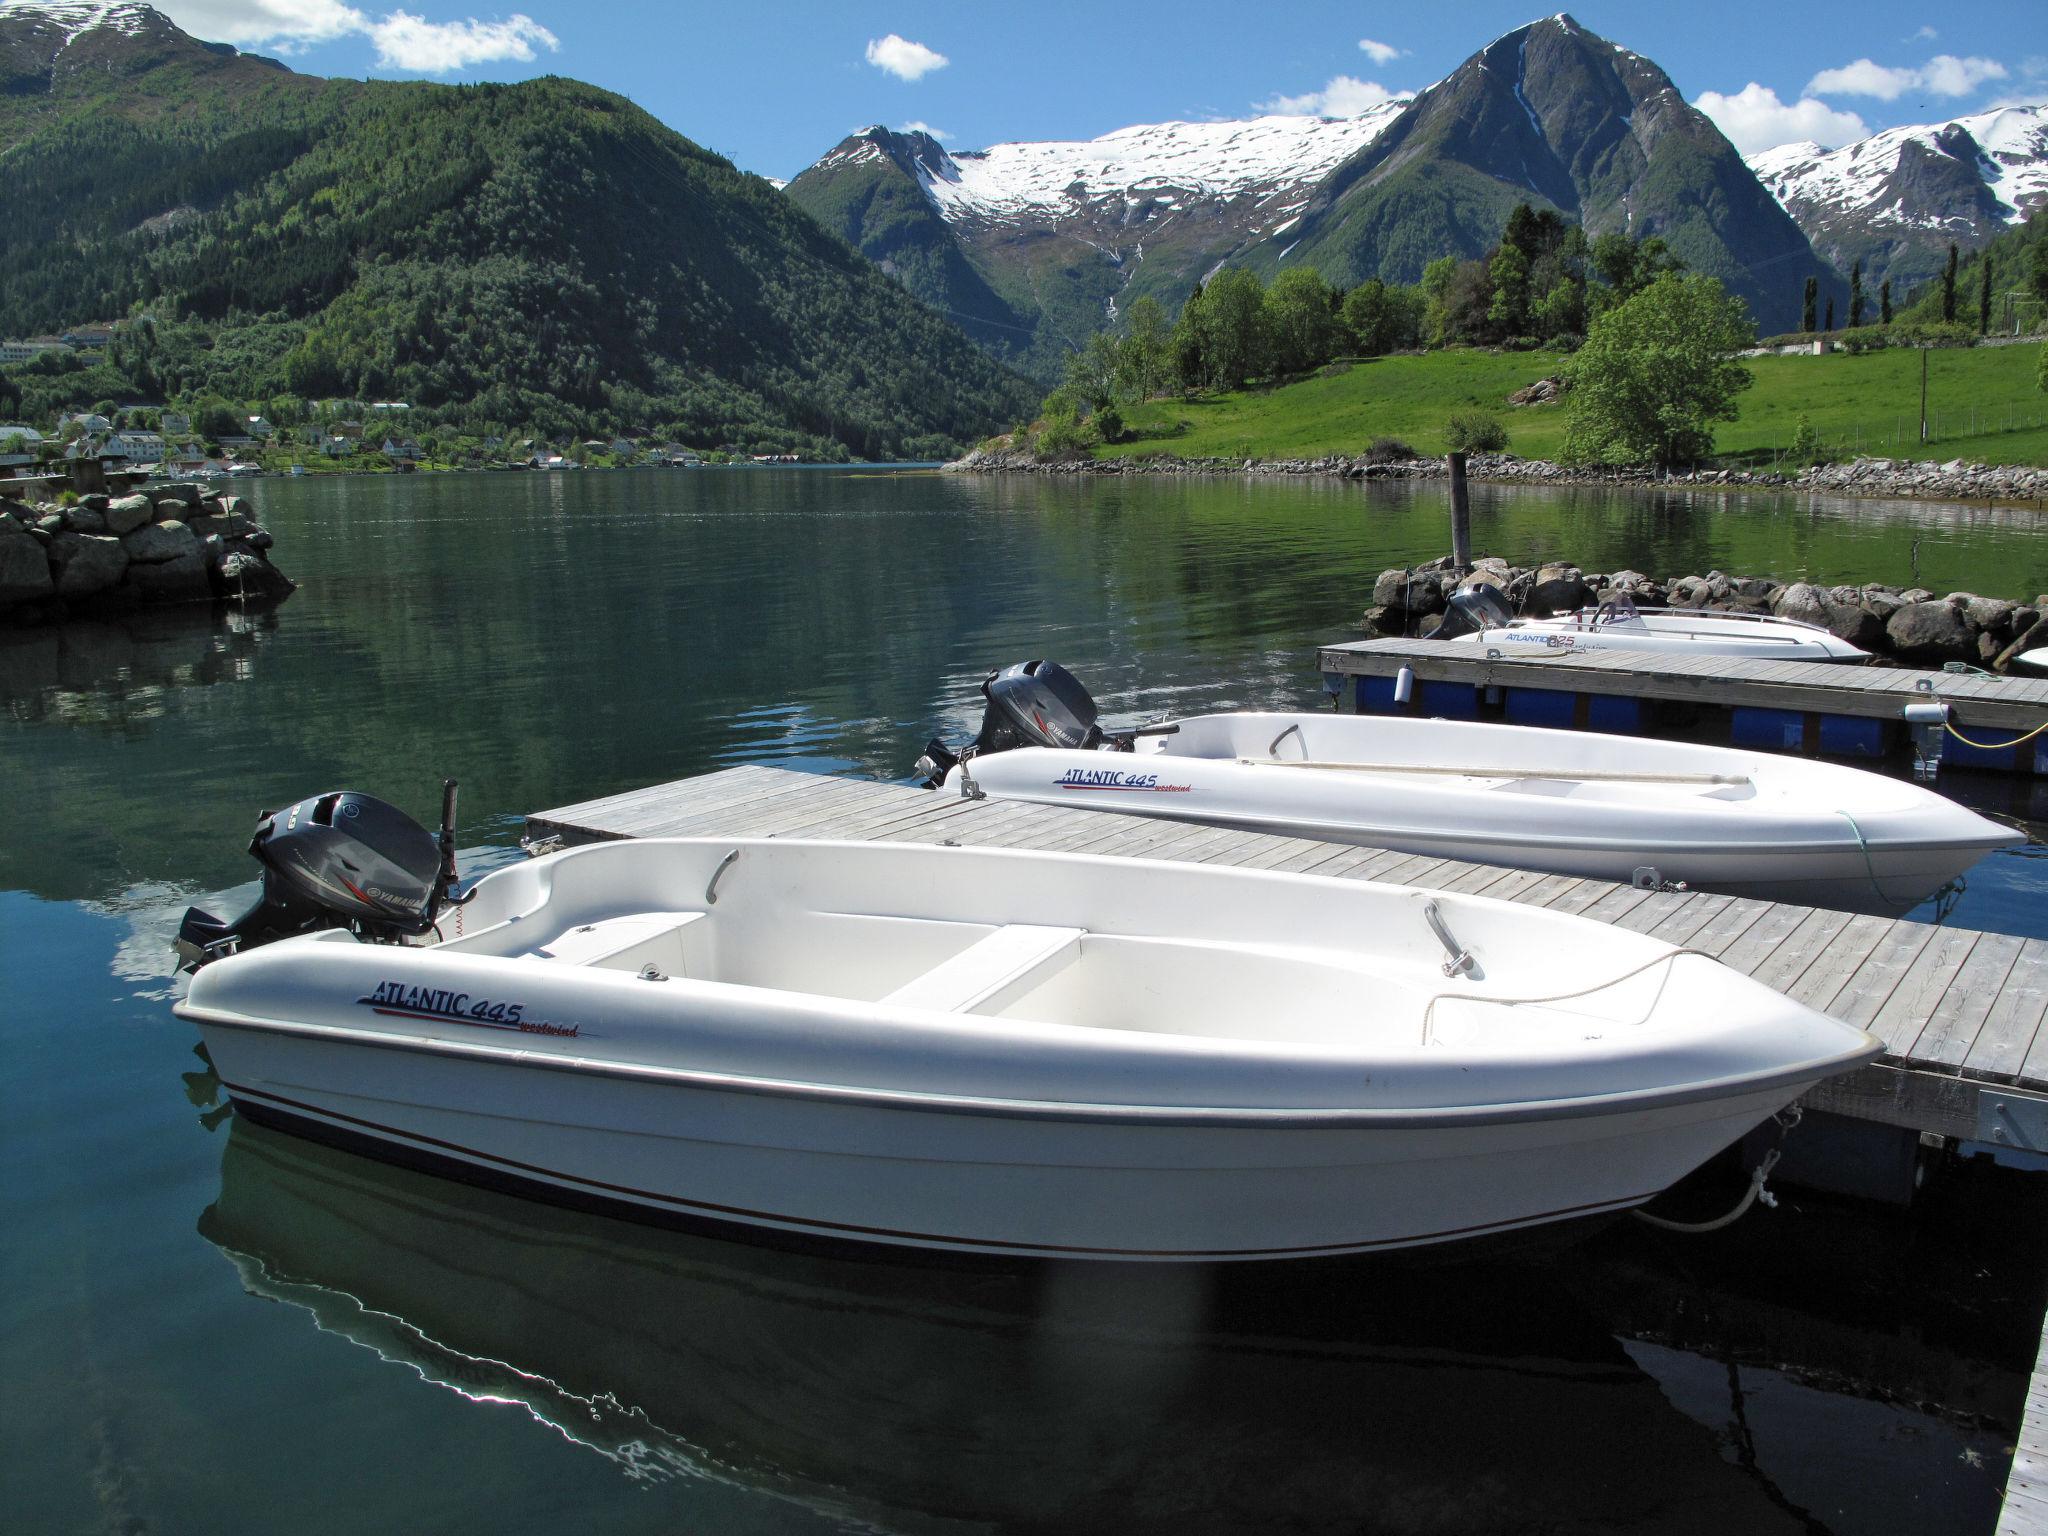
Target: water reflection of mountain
(1327, 1398)
(114, 674)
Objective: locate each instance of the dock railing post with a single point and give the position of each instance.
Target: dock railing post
(1461, 517)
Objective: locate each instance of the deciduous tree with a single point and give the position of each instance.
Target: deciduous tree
(1655, 373)
(1301, 319)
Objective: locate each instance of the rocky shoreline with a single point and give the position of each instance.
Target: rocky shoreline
(1926, 480)
(1914, 625)
(113, 554)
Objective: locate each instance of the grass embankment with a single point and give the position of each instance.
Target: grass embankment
(1865, 404)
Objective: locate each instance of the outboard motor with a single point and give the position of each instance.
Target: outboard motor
(1472, 611)
(338, 860)
(1030, 704)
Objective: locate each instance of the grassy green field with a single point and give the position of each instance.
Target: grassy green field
(1983, 404)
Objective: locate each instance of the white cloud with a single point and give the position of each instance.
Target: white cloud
(285, 25)
(1754, 119)
(925, 128)
(1924, 35)
(409, 42)
(1344, 96)
(904, 59)
(403, 40)
(1944, 75)
(1378, 52)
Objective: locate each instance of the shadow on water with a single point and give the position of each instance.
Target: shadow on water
(1385, 1396)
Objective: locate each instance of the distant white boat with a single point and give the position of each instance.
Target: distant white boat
(1481, 617)
(1571, 802)
(1009, 1052)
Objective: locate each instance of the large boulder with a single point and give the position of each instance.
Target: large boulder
(87, 563)
(180, 580)
(24, 570)
(1932, 632)
(1558, 589)
(160, 542)
(1409, 592)
(1853, 622)
(185, 492)
(1993, 614)
(245, 575)
(125, 514)
(1801, 601)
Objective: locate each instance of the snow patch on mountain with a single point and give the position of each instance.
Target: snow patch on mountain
(75, 18)
(1275, 162)
(2009, 148)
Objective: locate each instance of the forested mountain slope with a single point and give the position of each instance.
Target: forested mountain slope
(543, 253)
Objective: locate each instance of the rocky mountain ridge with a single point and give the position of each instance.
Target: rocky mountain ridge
(1895, 200)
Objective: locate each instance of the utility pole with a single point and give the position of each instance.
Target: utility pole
(1923, 394)
(1461, 517)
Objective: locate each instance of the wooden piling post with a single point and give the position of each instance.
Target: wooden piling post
(1461, 517)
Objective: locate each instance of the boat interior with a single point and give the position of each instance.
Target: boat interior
(1202, 985)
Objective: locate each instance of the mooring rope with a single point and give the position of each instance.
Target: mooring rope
(1983, 746)
(1786, 1119)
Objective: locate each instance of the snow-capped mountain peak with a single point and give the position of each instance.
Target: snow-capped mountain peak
(2005, 151)
(1271, 162)
(74, 18)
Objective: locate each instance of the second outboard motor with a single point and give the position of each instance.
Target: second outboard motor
(338, 860)
(1472, 612)
(1030, 704)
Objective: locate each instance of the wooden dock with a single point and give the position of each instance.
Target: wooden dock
(1802, 705)
(1961, 1012)
(2026, 1485)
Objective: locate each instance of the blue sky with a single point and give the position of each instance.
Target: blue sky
(775, 83)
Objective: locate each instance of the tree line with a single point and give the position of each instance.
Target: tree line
(1543, 284)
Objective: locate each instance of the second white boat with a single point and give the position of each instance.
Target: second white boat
(1567, 802)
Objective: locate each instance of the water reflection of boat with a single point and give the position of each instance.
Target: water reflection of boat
(1070, 1398)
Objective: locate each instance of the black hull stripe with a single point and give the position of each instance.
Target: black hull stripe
(745, 1215)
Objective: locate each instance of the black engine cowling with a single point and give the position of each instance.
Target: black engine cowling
(338, 860)
(1029, 704)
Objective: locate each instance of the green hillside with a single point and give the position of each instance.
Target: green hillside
(540, 254)
(1984, 402)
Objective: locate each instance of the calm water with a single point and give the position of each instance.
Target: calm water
(434, 1358)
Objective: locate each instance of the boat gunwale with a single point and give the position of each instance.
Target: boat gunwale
(1624, 1101)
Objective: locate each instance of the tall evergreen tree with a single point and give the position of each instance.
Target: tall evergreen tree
(1807, 317)
(1948, 287)
(1884, 301)
(1829, 328)
(1856, 295)
(1984, 296)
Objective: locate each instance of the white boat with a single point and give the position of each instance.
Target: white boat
(1479, 616)
(2037, 658)
(1568, 802)
(1017, 1053)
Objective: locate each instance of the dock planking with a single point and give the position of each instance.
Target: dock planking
(1959, 1011)
(2026, 1485)
(1986, 702)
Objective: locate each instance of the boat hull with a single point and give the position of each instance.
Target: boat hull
(1087, 1188)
